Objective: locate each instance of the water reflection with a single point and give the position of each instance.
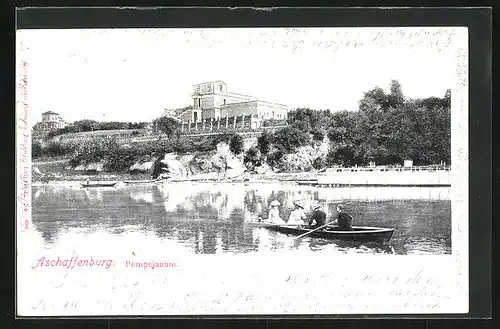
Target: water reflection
(214, 218)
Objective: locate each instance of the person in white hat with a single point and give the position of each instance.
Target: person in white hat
(274, 214)
(297, 216)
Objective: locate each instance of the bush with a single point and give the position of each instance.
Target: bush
(36, 149)
(157, 166)
(318, 135)
(55, 149)
(167, 125)
(181, 146)
(95, 150)
(122, 159)
(236, 144)
(273, 123)
(205, 144)
(61, 131)
(274, 158)
(264, 142)
(319, 163)
(252, 157)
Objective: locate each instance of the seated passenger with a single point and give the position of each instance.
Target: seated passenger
(274, 214)
(297, 216)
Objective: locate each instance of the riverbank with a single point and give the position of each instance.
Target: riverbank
(58, 170)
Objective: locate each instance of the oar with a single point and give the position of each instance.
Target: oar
(302, 235)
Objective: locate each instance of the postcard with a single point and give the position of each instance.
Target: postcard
(242, 171)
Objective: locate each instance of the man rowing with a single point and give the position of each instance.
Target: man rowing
(343, 219)
(318, 216)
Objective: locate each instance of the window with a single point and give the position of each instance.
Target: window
(224, 100)
(220, 88)
(209, 88)
(198, 89)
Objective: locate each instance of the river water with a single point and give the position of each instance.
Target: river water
(218, 218)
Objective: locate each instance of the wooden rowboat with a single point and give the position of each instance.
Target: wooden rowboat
(98, 184)
(358, 233)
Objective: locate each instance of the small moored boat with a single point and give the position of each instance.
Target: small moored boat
(97, 184)
(358, 233)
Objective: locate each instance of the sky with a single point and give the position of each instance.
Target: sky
(134, 74)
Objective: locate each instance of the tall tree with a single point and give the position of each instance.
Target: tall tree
(374, 99)
(167, 125)
(396, 97)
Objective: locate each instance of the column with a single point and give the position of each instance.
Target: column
(243, 121)
(211, 124)
(227, 122)
(218, 123)
(234, 121)
(203, 124)
(196, 126)
(189, 125)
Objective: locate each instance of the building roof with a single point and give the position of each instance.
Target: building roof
(202, 83)
(274, 104)
(50, 112)
(242, 96)
(238, 109)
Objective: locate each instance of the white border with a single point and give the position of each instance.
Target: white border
(251, 284)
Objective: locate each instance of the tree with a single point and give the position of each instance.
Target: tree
(264, 142)
(236, 144)
(396, 97)
(86, 125)
(167, 125)
(36, 149)
(309, 120)
(342, 154)
(290, 138)
(252, 158)
(374, 99)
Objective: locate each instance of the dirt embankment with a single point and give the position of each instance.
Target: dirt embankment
(216, 165)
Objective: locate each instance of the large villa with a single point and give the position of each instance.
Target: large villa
(214, 108)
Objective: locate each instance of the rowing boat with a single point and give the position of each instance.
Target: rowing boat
(98, 184)
(358, 233)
